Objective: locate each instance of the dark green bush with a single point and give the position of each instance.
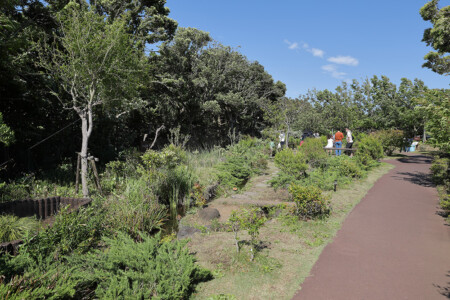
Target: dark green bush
(235, 172)
(292, 166)
(291, 163)
(439, 170)
(313, 151)
(369, 151)
(390, 139)
(124, 269)
(76, 231)
(144, 270)
(14, 191)
(242, 161)
(309, 201)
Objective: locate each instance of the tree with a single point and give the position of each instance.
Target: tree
(6, 134)
(436, 106)
(284, 114)
(210, 88)
(438, 37)
(96, 64)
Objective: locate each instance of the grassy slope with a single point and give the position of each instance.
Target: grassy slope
(290, 249)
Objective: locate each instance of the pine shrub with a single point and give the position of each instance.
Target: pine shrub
(309, 201)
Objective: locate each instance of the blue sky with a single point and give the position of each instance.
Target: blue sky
(318, 44)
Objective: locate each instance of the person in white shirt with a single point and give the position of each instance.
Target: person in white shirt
(329, 143)
(282, 139)
(349, 140)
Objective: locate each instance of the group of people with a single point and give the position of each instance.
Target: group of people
(335, 141)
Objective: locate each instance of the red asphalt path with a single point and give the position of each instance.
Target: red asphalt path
(393, 245)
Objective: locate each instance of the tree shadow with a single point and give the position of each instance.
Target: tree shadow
(416, 159)
(444, 290)
(419, 178)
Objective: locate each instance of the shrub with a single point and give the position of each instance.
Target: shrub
(349, 168)
(390, 140)
(439, 170)
(76, 231)
(170, 157)
(251, 220)
(137, 210)
(14, 191)
(144, 270)
(292, 168)
(234, 172)
(166, 171)
(15, 228)
(291, 163)
(369, 150)
(124, 269)
(313, 151)
(309, 201)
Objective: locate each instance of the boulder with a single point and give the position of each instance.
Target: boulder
(208, 214)
(186, 231)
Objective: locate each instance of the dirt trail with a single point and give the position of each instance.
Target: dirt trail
(393, 245)
(258, 192)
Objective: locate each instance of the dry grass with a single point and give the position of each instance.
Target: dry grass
(289, 250)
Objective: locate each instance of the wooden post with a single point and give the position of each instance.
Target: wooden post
(97, 179)
(77, 176)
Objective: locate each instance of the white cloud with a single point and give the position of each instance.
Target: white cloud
(314, 51)
(317, 52)
(292, 46)
(333, 71)
(344, 60)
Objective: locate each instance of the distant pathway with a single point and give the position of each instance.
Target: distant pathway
(393, 245)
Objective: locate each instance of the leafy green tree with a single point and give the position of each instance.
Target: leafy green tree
(284, 114)
(97, 64)
(210, 88)
(436, 107)
(437, 37)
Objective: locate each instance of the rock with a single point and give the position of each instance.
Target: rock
(186, 231)
(208, 214)
(210, 192)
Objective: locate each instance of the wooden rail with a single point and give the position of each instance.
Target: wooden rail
(343, 149)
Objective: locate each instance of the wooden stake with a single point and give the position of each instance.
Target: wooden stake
(97, 179)
(77, 176)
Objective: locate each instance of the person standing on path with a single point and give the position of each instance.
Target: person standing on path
(349, 141)
(272, 148)
(329, 144)
(282, 139)
(338, 137)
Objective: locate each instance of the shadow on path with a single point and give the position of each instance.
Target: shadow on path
(417, 159)
(444, 290)
(420, 178)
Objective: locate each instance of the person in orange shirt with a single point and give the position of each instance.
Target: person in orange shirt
(338, 137)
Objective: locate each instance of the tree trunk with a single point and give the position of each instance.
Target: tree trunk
(424, 137)
(86, 129)
(287, 136)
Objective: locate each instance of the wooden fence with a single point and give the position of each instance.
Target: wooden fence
(43, 209)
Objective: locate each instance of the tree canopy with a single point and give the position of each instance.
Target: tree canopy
(437, 37)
